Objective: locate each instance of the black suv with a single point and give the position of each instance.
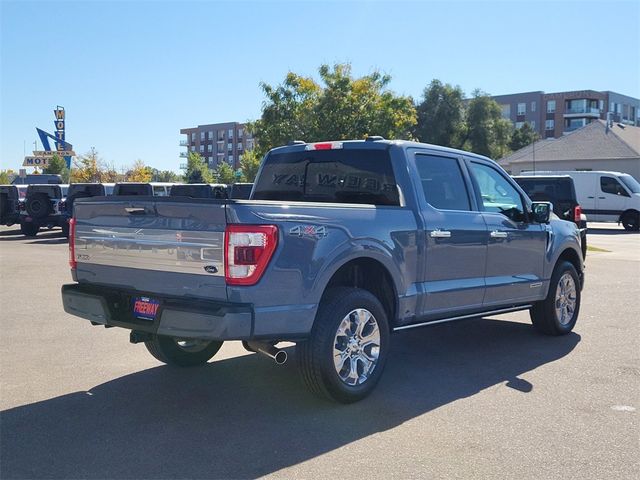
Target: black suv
(10, 196)
(41, 208)
(561, 192)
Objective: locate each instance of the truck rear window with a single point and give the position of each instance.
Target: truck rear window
(336, 176)
(545, 190)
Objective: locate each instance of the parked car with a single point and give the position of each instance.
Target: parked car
(38, 179)
(10, 197)
(41, 208)
(561, 192)
(342, 244)
(606, 196)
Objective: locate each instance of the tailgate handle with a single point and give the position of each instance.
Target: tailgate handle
(136, 210)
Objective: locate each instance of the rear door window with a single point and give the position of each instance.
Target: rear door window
(339, 176)
(442, 182)
(159, 191)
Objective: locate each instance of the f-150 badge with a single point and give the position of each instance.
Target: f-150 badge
(308, 231)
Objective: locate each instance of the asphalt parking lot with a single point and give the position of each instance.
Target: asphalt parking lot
(483, 398)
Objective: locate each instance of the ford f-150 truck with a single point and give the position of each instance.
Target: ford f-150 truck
(340, 245)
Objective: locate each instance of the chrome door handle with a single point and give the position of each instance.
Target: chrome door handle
(440, 234)
(602, 198)
(498, 234)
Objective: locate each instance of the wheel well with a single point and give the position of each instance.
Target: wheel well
(572, 257)
(631, 210)
(369, 275)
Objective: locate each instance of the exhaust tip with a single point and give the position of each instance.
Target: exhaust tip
(280, 357)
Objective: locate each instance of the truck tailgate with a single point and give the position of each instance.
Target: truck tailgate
(171, 246)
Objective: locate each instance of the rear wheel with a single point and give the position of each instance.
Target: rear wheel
(346, 353)
(558, 313)
(631, 221)
(29, 229)
(182, 353)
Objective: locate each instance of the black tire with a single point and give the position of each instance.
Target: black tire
(631, 221)
(4, 207)
(39, 205)
(544, 315)
(169, 351)
(315, 355)
(29, 229)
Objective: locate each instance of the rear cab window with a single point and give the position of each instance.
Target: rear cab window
(349, 175)
(442, 182)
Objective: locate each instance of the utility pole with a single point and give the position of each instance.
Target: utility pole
(533, 146)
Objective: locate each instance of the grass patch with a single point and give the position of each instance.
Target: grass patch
(591, 248)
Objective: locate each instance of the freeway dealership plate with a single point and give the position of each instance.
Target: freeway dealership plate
(145, 308)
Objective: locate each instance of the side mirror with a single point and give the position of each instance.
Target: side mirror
(541, 211)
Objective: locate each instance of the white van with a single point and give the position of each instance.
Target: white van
(606, 196)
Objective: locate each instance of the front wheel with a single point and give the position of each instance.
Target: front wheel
(346, 353)
(558, 313)
(29, 229)
(182, 353)
(631, 221)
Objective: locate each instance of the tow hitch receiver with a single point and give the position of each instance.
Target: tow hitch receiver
(139, 337)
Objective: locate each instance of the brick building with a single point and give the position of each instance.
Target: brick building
(217, 142)
(555, 114)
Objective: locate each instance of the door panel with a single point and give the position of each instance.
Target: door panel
(611, 199)
(515, 248)
(456, 237)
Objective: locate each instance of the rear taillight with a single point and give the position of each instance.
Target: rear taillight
(72, 244)
(577, 213)
(22, 206)
(248, 249)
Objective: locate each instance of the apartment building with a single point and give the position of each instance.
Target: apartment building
(217, 142)
(555, 114)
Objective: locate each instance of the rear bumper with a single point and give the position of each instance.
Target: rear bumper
(55, 220)
(186, 318)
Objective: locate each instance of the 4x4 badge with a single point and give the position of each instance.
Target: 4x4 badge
(308, 231)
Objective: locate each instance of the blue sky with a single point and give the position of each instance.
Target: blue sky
(131, 74)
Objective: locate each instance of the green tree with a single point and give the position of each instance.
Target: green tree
(521, 137)
(58, 166)
(5, 177)
(249, 164)
(197, 169)
(88, 168)
(225, 173)
(441, 115)
(139, 172)
(487, 133)
(341, 107)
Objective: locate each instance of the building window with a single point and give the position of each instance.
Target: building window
(549, 125)
(231, 159)
(193, 148)
(249, 143)
(533, 124)
(533, 106)
(601, 105)
(240, 132)
(211, 135)
(231, 133)
(551, 106)
(522, 108)
(239, 146)
(201, 148)
(209, 148)
(506, 111)
(202, 136)
(519, 125)
(612, 107)
(193, 136)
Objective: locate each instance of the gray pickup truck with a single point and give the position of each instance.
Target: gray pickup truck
(341, 244)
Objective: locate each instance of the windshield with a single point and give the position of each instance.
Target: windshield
(631, 183)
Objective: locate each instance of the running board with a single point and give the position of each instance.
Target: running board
(463, 317)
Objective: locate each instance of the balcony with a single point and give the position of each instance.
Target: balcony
(184, 143)
(184, 155)
(581, 112)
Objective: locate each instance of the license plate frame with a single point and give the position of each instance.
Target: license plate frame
(145, 308)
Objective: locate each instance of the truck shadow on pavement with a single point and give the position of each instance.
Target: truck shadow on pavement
(244, 417)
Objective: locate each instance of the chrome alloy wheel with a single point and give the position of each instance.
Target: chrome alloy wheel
(356, 347)
(565, 299)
